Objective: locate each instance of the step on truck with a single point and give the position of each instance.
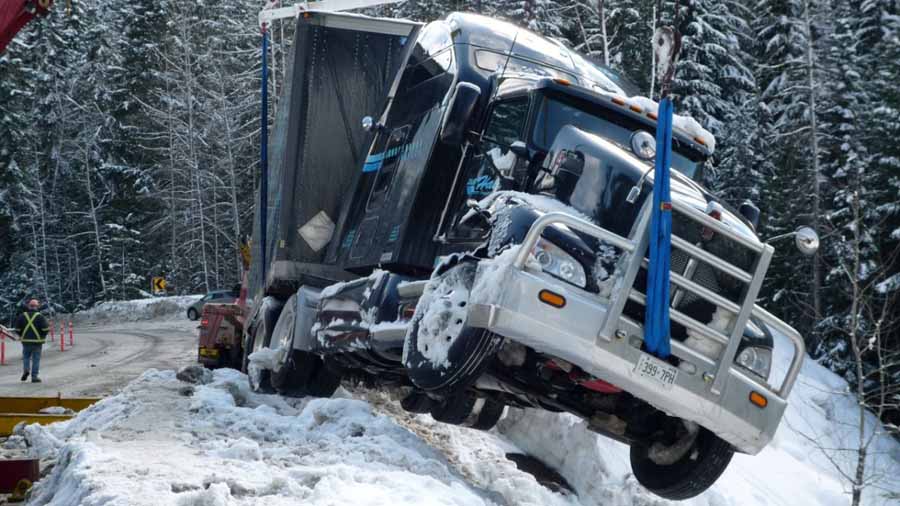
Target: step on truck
(460, 210)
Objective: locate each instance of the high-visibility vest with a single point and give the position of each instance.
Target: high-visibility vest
(35, 337)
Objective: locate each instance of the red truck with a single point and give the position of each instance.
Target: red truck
(221, 331)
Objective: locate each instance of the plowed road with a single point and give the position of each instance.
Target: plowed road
(104, 358)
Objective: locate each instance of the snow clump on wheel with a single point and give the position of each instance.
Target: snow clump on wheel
(445, 301)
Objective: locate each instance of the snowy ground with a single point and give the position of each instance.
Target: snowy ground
(162, 441)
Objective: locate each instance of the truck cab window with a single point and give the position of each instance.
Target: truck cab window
(504, 127)
(385, 163)
(429, 74)
(554, 114)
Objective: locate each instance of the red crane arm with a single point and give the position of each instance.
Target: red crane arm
(14, 14)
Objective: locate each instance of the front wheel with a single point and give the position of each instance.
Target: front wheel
(441, 353)
(192, 314)
(688, 476)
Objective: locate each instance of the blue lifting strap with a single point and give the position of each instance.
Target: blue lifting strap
(656, 319)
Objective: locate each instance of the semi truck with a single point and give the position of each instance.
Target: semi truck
(460, 210)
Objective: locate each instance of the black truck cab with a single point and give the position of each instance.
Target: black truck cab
(413, 190)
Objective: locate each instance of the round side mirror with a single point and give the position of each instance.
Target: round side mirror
(807, 240)
(368, 123)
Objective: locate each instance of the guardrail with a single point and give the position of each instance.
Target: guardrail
(635, 247)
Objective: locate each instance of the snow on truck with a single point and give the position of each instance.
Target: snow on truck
(460, 209)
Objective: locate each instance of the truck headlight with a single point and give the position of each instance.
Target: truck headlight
(756, 360)
(558, 263)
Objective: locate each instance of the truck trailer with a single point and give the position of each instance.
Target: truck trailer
(460, 210)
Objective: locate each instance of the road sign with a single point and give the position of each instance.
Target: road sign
(159, 285)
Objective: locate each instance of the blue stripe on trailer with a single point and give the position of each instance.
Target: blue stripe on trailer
(373, 162)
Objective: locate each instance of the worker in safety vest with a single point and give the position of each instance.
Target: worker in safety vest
(32, 328)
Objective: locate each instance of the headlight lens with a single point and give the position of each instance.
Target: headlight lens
(756, 360)
(558, 263)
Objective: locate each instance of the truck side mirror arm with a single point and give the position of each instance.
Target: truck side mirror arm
(370, 125)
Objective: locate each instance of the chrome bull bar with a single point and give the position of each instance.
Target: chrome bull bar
(634, 248)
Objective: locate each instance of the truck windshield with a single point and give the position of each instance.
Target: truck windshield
(554, 114)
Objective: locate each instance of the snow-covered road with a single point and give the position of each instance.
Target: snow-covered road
(105, 358)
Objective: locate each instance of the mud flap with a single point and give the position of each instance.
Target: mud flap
(307, 304)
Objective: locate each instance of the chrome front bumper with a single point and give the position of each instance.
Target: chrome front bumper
(591, 332)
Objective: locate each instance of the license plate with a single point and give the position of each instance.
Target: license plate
(650, 367)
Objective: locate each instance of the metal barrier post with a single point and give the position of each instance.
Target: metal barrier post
(71, 334)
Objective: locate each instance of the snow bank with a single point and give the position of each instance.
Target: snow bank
(140, 309)
(165, 442)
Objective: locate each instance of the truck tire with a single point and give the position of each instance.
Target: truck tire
(284, 377)
(470, 349)
(691, 475)
(460, 410)
(260, 338)
(298, 373)
(305, 374)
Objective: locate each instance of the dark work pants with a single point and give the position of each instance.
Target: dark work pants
(31, 358)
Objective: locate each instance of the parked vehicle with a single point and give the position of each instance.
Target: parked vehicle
(221, 332)
(482, 244)
(212, 297)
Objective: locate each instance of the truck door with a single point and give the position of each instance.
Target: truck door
(477, 179)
